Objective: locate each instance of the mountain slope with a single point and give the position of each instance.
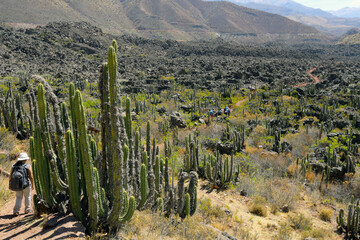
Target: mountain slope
(347, 12)
(352, 37)
(322, 20)
(174, 19)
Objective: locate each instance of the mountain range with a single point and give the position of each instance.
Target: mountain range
(335, 23)
(347, 12)
(164, 19)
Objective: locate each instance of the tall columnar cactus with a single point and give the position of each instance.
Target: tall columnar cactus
(351, 227)
(187, 200)
(192, 191)
(148, 139)
(192, 154)
(143, 186)
(46, 140)
(158, 177)
(106, 166)
(115, 218)
(86, 161)
(93, 199)
(217, 172)
(74, 189)
(42, 170)
(34, 166)
(65, 122)
(239, 140)
(129, 133)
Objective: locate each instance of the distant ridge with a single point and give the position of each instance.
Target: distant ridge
(161, 19)
(334, 23)
(347, 12)
(351, 37)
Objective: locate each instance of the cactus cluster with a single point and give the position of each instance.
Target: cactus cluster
(103, 189)
(12, 115)
(218, 171)
(191, 159)
(350, 224)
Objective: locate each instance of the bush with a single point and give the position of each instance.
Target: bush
(258, 207)
(326, 214)
(5, 193)
(319, 233)
(300, 221)
(284, 232)
(208, 211)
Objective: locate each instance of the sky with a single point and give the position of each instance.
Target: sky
(328, 5)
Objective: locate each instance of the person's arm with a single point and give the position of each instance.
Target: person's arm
(31, 178)
(10, 174)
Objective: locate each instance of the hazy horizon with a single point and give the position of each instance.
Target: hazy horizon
(330, 5)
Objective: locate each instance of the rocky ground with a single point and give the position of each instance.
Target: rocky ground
(73, 51)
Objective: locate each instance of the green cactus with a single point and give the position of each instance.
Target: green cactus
(106, 165)
(74, 189)
(148, 139)
(86, 162)
(158, 177)
(187, 204)
(143, 186)
(217, 172)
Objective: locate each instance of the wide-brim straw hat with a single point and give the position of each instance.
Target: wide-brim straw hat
(23, 157)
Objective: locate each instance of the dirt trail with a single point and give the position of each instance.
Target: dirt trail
(316, 79)
(240, 102)
(26, 226)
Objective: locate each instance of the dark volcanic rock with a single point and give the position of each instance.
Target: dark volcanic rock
(176, 120)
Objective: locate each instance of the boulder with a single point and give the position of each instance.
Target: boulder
(161, 110)
(176, 120)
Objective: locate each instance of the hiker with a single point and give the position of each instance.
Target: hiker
(211, 114)
(225, 110)
(20, 181)
(228, 112)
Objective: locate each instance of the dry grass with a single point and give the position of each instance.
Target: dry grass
(310, 176)
(257, 135)
(293, 170)
(300, 221)
(258, 207)
(5, 193)
(270, 161)
(284, 232)
(325, 214)
(319, 233)
(149, 225)
(301, 142)
(210, 212)
(10, 147)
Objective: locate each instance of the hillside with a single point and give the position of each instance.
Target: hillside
(179, 19)
(347, 12)
(321, 20)
(352, 37)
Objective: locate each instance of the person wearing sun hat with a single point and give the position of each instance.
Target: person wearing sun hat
(26, 192)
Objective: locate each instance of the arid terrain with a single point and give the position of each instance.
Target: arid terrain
(139, 138)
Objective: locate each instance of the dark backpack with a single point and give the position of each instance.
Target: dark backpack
(19, 178)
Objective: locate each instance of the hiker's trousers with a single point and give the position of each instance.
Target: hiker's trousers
(19, 196)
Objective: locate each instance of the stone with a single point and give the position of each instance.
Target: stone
(176, 120)
(285, 208)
